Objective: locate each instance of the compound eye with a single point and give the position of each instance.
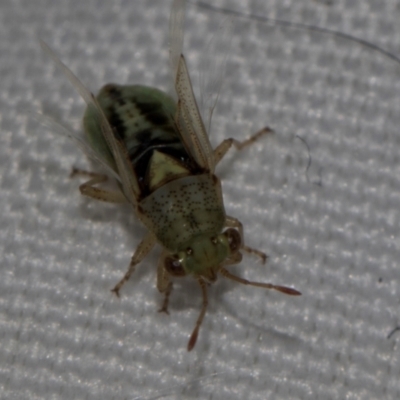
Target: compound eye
(174, 266)
(234, 239)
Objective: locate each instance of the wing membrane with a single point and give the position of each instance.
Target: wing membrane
(55, 126)
(194, 133)
(176, 32)
(124, 168)
(213, 69)
(188, 118)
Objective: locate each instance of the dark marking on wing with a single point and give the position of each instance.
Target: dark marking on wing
(146, 107)
(153, 112)
(116, 123)
(157, 118)
(114, 92)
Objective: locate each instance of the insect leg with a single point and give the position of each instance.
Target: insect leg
(167, 293)
(232, 222)
(283, 289)
(193, 336)
(88, 188)
(164, 284)
(140, 253)
(222, 148)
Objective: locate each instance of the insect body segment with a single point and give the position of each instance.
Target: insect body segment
(160, 152)
(184, 209)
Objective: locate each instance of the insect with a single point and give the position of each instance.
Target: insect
(158, 150)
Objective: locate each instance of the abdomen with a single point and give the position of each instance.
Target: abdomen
(142, 118)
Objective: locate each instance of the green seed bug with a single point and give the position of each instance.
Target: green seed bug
(159, 151)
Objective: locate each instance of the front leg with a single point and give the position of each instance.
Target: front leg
(140, 253)
(164, 284)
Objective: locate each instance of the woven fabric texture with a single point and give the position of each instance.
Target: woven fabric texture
(321, 196)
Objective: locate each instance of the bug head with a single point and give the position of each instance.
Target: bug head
(205, 254)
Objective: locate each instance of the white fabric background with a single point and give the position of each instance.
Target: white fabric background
(332, 233)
